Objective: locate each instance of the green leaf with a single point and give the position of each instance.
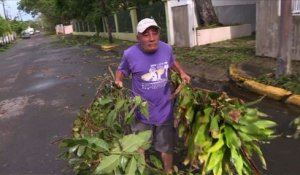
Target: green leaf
(249, 129)
(131, 167)
(137, 100)
(132, 142)
(181, 130)
(97, 143)
(246, 137)
(108, 164)
(237, 161)
(141, 163)
(218, 145)
(111, 118)
(120, 102)
(254, 102)
(144, 108)
(190, 114)
(123, 162)
(263, 124)
(105, 100)
(74, 161)
(252, 112)
(260, 155)
(247, 119)
(201, 135)
(215, 159)
(72, 142)
(81, 150)
(156, 162)
(144, 136)
(207, 111)
(129, 115)
(232, 140)
(73, 149)
(187, 98)
(214, 126)
(217, 170)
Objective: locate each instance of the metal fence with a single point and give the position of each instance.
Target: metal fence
(7, 38)
(111, 21)
(124, 22)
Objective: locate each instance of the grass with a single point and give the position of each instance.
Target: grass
(221, 53)
(74, 40)
(5, 47)
(290, 82)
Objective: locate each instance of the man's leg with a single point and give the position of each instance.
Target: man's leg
(167, 159)
(164, 142)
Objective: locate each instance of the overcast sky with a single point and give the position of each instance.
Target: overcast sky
(11, 8)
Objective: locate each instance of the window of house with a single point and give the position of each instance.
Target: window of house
(295, 7)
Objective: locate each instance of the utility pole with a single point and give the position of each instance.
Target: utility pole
(285, 39)
(4, 11)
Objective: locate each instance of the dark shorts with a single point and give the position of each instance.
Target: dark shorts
(163, 136)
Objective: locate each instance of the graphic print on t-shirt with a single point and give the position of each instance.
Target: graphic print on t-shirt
(157, 76)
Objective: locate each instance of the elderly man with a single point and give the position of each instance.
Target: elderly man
(148, 62)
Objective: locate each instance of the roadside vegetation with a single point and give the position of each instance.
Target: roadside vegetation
(221, 53)
(290, 82)
(5, 47)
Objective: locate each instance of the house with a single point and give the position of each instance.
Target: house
(63, 29)
(183, 23)
(267, 28)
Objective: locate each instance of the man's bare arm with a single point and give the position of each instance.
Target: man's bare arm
(185, 77)
(119, 78)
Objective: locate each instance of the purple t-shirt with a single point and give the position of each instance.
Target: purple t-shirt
(150, 80)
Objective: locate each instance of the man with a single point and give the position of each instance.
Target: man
(148, 62)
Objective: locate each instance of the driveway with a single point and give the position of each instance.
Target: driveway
(43, 84)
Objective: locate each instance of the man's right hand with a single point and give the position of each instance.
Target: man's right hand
(119, 84)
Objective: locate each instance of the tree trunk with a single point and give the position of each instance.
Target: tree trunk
(285, 39)
(103, 5)
(206, 13)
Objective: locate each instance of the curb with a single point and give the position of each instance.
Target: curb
(240, 78)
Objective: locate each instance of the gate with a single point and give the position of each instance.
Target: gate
(181, 26)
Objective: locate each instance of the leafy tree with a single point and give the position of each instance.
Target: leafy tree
(62, 11)
(4, 26)
(18, 26)
(46, 7)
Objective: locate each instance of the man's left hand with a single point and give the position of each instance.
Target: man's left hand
(185, 77)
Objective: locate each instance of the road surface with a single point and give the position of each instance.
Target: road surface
(43, 84)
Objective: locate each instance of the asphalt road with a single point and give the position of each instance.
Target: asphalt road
(43, 84)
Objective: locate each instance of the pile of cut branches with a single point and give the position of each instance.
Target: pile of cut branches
(220, 134)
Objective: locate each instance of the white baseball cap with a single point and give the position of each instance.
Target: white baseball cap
(146, 23)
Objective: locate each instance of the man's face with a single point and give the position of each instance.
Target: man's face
(149, 39)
